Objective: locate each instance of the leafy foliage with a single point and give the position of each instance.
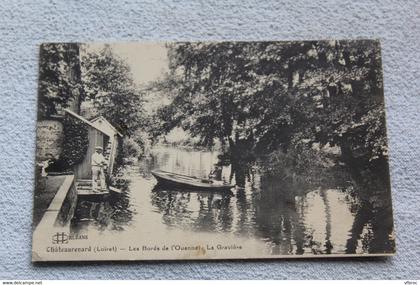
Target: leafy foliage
(108, 81)
(75, 143)
(130, 148)
(59, 78)
(274, 95)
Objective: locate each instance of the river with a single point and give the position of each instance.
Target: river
(265, 216)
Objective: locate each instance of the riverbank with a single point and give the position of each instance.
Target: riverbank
(47, 188)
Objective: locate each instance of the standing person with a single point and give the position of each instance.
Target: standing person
(98, 161)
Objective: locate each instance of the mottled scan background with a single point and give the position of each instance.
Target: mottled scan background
(25, 24)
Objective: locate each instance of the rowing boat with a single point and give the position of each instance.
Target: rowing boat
(190, 182)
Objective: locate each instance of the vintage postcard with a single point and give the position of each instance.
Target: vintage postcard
(211, 150)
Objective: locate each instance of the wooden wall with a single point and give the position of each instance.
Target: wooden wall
(84, 169)
(113, 153)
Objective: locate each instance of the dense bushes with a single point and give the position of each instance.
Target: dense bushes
(75, 143)
(131, 148)
(302, 164)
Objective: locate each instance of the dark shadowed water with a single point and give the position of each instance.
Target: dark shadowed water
(265, 213)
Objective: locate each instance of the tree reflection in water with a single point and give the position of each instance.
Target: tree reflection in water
(112, 213)
(290, 217)
(199, 211)
(373, 224)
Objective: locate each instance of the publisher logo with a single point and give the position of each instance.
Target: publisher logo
(60, 238)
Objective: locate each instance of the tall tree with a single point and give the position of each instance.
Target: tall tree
(108, 81)
(59, 78)
(273, 95)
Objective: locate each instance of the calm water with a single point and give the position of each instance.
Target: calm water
(266, 213)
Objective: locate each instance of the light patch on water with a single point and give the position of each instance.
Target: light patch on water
(327, 217)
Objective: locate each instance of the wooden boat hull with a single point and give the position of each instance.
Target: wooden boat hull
(180, 181)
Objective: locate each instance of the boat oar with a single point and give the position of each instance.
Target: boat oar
(113, 189)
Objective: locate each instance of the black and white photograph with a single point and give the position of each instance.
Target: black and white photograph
(211, 150)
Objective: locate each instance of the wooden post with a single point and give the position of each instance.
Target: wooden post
(102, 179)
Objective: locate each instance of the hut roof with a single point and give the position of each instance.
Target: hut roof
(86, 121)
(102, 123)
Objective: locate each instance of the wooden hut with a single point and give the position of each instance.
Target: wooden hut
(111, 139)
(100, 133)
